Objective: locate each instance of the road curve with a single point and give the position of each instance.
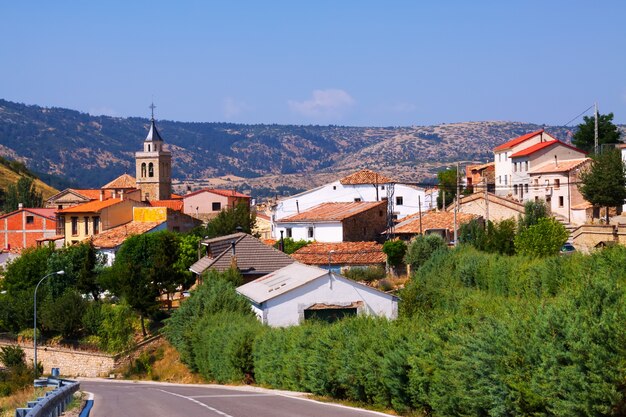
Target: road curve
(152, 399)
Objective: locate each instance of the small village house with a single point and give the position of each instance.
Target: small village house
(301, 292)
(336, 222)
(491, 207)
(432, 222)
(207, 203)
(23, 228)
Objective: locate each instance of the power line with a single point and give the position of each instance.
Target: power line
(586, 110)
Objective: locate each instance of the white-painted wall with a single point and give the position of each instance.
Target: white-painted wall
(322, 232)
(335, 192)
(288, 309)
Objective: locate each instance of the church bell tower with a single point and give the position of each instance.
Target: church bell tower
(154, 166)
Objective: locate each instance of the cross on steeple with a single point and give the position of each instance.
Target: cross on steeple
(152, 107)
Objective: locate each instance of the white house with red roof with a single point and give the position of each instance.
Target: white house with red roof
(361, 186)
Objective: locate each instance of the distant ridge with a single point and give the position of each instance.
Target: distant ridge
(92, 150)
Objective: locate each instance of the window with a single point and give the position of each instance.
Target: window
(526, 188)
(399, 200)
(357, 200)
(30, 219)
(151, 169)
(561, 201)
(557, 183)
(382, 187)
(515, 167)
(526, 166)
(310, 232)
(505, 180)
(74, 226)
(143, 169)
(96, 225)
(499, 179)
(86, 220)
(289, 232)
(60, 207)
(149, 148)
(334, 187)
(216, 206)
(547, 183)
(536, 183)
(515, 189)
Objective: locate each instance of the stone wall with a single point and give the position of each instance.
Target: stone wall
(71, 362)
(587, 237)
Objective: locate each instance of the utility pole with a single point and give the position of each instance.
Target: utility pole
(419, 205)
(595, 133)
(486, 203)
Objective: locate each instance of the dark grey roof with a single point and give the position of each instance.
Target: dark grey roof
(253, 256)
(153, 133)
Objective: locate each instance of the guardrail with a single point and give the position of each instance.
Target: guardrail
(54, 402)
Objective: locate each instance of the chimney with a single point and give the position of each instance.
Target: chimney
(556, 161)
(232, 248)
(233, 259)
(20, 206)
(101, 195)
(297, 207)
(281, 244)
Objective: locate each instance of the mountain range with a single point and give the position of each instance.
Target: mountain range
(88, 151)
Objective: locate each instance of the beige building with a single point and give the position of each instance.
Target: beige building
(154, 167)
(493, 208)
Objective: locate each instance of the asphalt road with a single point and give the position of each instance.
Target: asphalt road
(148, 399)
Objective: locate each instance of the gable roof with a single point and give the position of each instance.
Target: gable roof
(493, 199)
(171, 204)
(365, 176)
(115, 236)
(93, 206)
(252, 255)
(332, 211)
(517, 140)
(544, 145)
(561, 166)
(342, 253)
(123, 181)
(48, 213)
(224, 193)
(432, 220)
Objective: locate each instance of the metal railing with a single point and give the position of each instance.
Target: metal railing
(54, 402)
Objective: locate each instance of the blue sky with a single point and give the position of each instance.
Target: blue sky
(362, 63)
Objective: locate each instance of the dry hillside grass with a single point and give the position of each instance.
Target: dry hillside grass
(8, 177)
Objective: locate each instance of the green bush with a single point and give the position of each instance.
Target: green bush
(367, 274)
(395, 250)
(64, 315)
(12, 356)
(116, 330)
(421, 248)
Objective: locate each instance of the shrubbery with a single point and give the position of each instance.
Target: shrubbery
(368, 274)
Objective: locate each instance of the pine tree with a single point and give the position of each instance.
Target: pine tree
(604, 183)
(24, 192)
(584, 138)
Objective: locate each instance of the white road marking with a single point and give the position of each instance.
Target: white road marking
(215, 410)
(233, 395)
(347, 407)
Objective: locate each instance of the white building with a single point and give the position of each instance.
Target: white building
(299, 292)
(364, 186)
(504, 164)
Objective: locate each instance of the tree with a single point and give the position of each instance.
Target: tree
(228, 221)
(603, 183)
(533, 211)
(607, 132)
(448, 184)
(395, 250)
(421, 248)
(24, 192)
(188, 254)
(291, 246)
(542, 239)
(144, 268)
(494, 238)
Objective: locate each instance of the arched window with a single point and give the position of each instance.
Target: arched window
(151, 169)
(143, 169)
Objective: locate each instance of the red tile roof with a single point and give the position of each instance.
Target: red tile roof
(90, 193)
(91, 207)
(171, 204)
(345, 253)
(225, 193)
(332, 211)
(544, 145)
(175, 196)
(364, 176)
(432, 220)
(123, 181)
(116, 236)
(517, 140)
(561, 166)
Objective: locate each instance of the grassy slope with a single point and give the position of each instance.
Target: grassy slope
(7, 176)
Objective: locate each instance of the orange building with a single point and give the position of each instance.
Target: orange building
(23, 227)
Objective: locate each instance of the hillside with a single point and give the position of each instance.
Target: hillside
(91, 150)
(11, 172)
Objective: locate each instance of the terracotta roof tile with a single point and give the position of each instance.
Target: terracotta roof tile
(114, 237)
(225, 193)
(171, 204)
(123, 181)
(91, 193)
(365, 176)
(345, 253)
(91, 207)
(332, 211)
(543, 145)
(432, 220)
(562, 166)
(517, 140)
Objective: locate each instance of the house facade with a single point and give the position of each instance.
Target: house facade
(362, 186)
(301, 292)
(336, 222)
(207, 203)
(24, 227)
(491, 207)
